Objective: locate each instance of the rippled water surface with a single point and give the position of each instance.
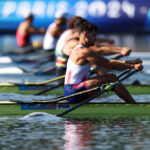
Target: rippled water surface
(67, 134)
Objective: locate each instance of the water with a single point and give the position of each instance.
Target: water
(137, 42)
(67, 134)
(8, 42)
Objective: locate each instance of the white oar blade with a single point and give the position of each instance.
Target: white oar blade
(11, 70)
(5, 59)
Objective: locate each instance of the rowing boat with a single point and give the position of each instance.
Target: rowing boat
(42, 65)
(32, 89)
(82, 109)
(21, 50)
(34, 56)
(90, 110)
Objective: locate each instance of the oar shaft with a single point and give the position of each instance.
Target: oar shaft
(117, 57)
(51, 88)
(108, 88)
(128, 75)
(79, 104)
(123, 73)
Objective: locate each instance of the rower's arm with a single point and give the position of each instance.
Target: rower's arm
(69, 46)
(56, 31)
(34, 30)
(107, 50)
(98, 60)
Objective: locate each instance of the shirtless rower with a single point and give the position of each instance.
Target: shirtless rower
(79, 64)
(25, 30)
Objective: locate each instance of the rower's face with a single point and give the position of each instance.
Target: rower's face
(62, 21)
(91, 36)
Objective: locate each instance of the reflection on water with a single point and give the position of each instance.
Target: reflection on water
(122, 134)
(77, 135)
(138, 43)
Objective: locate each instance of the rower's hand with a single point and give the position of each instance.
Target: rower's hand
(138, 66)
(126, 51)
(135, 61)
(42, 30)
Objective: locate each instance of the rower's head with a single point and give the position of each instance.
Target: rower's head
(78, 23)
(29, 17)
(87, 32)
(61, 17)
(75, 21)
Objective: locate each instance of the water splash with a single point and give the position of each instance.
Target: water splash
(41, 117)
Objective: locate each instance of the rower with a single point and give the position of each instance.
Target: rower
(81, 59)
(54, 31)
(69, 34)
(25, 30)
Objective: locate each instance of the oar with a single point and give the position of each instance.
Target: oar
(123, 73)
(34, 83)
(106, 89)
(128, 75)
(51, 88)
(61, 98)
(117, 57)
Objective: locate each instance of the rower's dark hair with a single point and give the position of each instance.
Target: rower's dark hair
(86, 27)
(30, 17)
(78, 22)
(75, 21)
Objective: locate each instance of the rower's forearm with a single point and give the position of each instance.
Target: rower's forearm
(120, 65)
(106, 51)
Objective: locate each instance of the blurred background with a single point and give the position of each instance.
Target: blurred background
(125, 21)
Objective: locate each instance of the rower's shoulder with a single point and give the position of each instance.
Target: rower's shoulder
(87, 50)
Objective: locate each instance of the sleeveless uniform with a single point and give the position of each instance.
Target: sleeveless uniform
(22, 40)
(61, 41)
(61, 61)
(75, 80)
(49, 42)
